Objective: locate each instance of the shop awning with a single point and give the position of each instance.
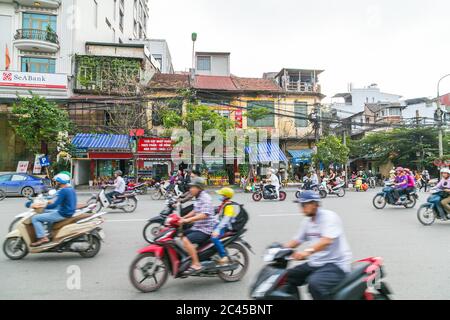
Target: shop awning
(301, 156)
(89, 141)
(267, 152)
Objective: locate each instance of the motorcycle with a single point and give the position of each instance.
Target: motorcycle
(80, 234)
(304, 186)
(365, 282)
(387, 197)
(156, 224)
(260, 192)
(161, 191)
(338, 189)
(432, 210)
(126, 202)
(150, 269)
(141, 188)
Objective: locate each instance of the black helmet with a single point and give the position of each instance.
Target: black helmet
(198, 182)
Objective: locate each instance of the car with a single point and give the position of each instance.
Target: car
(21, 184)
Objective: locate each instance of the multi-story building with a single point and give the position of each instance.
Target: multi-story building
(161, 53)
(42, 40)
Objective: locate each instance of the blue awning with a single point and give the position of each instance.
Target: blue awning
(267, 152)
(301, 156)
(101, 141)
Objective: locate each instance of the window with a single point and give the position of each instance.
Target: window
(18, 178)
(38, 65)
(38, 21)
(158, 57)
(395, 112)
(301, 110)
(5, 178)
(204, 63)
(267, 122)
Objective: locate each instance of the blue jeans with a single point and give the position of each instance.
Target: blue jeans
(219, 245)
(51, 216)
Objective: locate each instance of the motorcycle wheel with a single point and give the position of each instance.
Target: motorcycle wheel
(139, 272)
(257, 197)
(131, 205)
(323, 194)
(237, 254)
(411, 203)
(298, 194)
(379, 202)
(426, 216)
(151, 230)
(156, 195)
(15, 248)
(283, 196)
(93, 250)
(12, 226)
(98, 204)
(341, 193)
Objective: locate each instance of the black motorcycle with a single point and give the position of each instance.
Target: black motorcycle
(432, 210)
(365, 282)
(262, 192)
(386, 197)
(155, 224)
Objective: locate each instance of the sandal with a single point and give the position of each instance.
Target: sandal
(191, 271)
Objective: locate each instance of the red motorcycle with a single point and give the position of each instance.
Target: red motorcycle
(150, 269)
(141, 188)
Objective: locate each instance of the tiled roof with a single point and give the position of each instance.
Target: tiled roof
(214, 83)
(169, 81)
(255, 84)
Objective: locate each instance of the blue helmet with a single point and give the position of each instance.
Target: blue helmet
(308, 196)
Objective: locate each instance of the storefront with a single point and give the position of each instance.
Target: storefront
(301, 161)
(268, 155)
(98, 156)
(154, 158)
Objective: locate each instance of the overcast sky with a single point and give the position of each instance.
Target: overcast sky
(402, 45)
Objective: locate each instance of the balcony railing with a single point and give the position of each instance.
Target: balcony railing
(36, 34)
(293, 86)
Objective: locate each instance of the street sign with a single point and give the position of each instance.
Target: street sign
(22, 166)
(155, 145)
(45, 162)
(37, 169)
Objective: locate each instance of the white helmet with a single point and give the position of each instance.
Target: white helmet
(445, 170)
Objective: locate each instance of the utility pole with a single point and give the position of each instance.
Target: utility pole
(439, 114)
(315, 119)
(194, 39)
(345, 165)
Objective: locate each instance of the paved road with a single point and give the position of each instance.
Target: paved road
(417, 258)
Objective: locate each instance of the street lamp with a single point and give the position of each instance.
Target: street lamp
(194, 39)
(439, 114)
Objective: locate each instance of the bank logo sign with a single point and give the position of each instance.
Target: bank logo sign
(47, 81)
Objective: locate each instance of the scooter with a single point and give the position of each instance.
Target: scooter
(365, 282)
(338, 189)
(126, 202)
(160, 191)
(432, 210)
(151, 268)
(80, 234)
(140, 188)
(156, 224)
(387, 197)
(260, 192)
(307, 185)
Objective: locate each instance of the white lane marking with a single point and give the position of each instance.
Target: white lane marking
(129, 220)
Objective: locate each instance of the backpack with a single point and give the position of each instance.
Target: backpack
(238, 223)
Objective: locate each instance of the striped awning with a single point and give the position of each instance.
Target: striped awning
(89, 141)
(267, 152)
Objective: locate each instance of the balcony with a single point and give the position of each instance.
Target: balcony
(307, 87)
(52, 4)
(36, 40)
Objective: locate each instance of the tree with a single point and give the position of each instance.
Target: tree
(258, 113)
(330, 150)
(409, 147)
(39, 123)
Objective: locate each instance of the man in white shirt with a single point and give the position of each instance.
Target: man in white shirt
(328, 255)
(119, 186)
(274, 183)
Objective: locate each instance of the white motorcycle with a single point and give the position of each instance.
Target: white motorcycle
(126, 202)
(338, 189)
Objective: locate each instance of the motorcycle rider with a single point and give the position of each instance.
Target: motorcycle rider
(425, 180)
(203, 220)
(227, 213)
(401, 184)
(331, 180)
(119, 186)
(66, 203)
(411, 181)
(274, 183)
(328, 256)
(444, 185)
